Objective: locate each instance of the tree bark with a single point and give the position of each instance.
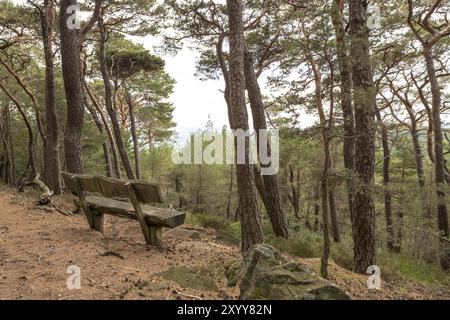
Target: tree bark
(335, 231)
(31, 155)
(365, 104)
(325, 126)
(112, 144)
(439, 164)
(230, 192)
(251, 229)
(316, 207)
(52, 176)
(294, 192)
(414, 131)
(7, 159)
(101, 129)
(345, 70)
(324, 189)
(272, 192)
(391, 245)
(109, 104)
(137, 159)
(72, 72)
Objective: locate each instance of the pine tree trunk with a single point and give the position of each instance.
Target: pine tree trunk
(365, 104)
(137, 159)
(72, 71)
(333, 216)
(294, 193)
(52, 177)
(230, 192)
(386, 183)
(7, 159)
(272, 199)
(251, 229)
(439, 168)
(101, 128)
(31, 156)
(345, 69)
(418, 157)
(112, 144)
(109, 106)
(325, 192)
(316, 207)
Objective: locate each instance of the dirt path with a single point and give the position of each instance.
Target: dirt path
(36, 247)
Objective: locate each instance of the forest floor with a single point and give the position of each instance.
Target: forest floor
(36, 248)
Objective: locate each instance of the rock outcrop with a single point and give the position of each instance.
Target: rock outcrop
(265, 274)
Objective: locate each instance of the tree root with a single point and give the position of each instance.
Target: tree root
(45, 199)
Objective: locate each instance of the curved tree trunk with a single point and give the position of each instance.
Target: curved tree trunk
(101, 128)
(112, 144)
(109, 105)
(31, 155)
(137, 159)
(272, 199)
(7, 158)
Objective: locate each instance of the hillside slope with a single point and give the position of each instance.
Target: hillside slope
(37, 246)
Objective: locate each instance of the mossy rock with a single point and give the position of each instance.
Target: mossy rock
(265, 274)
(189, 278)
(232, 272)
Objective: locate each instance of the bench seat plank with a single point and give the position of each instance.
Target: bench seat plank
(153, 216)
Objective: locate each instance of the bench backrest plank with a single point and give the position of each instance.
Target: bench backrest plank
(112, 188)
(88, 184)
(70, 182)
(147, 192)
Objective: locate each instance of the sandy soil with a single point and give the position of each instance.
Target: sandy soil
(36, 247)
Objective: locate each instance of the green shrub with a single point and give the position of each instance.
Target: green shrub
(226, 230)
(402, 266)
(342, 254)
(296, 246)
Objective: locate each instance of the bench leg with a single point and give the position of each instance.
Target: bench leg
(89, 218)
(154, 237)
(97, 221)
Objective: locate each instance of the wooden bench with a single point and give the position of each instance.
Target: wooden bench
(98, 195)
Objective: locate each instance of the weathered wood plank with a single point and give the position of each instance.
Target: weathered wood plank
(88, 184)
(155, 236)
(139, 214)
(74, 186)
(147, 192)
(70, 182)
(112, 187)
(153, 216)
(97, 221)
